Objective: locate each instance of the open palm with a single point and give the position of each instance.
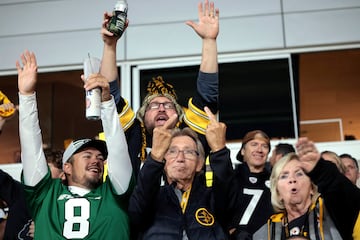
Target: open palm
(27, 75)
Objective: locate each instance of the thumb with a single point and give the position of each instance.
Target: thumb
(190, 23)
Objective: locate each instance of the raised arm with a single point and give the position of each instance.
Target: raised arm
(32, 155)
(119, 164)
(207, 28)
(108, 64)
(208, 79)
(340, 195)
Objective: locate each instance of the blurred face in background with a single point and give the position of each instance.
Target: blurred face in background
(351, 171)
(255, 153)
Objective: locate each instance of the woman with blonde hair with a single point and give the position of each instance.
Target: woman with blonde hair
(311, 198)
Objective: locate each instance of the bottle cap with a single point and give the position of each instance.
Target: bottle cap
(121, 5)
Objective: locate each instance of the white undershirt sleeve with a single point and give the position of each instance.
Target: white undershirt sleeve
(118, 160)
(32, 154)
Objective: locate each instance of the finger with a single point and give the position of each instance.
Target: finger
(27, 57)
(190, 23)
(83, 78)
(33, 58)
(200, 10)
(170, 122)
(18, 67)
(207, 11)
(211, 116)
(217, 12)
(23, 59)
(211, 9)
(106, 32)
(105, 16)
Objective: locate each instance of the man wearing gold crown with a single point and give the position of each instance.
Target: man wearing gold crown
(161, 100)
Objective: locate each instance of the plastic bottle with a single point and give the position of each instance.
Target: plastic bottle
(118, 20)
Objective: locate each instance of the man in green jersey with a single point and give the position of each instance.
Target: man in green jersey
(84, 207)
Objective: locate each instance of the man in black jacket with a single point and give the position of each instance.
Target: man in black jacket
(183, 208)
(18, 217)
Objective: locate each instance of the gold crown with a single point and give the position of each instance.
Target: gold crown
(158, 86)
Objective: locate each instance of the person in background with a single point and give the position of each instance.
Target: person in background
(17, 217)
(351, 167)
(334, 158)
(183, 208)
(54, 161)
(253, 186)
(161, 101)
(312, 199)
(7, 110)
(84, 207)
(280, 150)
(3, 216)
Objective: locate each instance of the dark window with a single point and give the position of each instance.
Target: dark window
(253, 95)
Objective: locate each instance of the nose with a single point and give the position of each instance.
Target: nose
(161, 107)
(259, 148)
(96, 159)
(292, 180)
(180, 156)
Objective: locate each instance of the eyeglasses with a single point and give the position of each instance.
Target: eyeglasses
(189, 154)
(156, 105)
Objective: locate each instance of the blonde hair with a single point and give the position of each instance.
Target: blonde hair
(277, 203)
(336, 158)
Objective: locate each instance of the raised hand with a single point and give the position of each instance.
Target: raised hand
(308, 153)
(108, 37)
(162, 138)
(208, 25)
(97, 80)
(215, 132)
(27, 74)
(7, 110)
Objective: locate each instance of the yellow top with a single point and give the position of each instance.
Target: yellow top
(5, 112)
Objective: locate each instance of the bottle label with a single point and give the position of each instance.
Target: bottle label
(93, 104)
(117, 23)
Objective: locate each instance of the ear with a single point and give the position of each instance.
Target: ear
(312, 190)
(243, 153)
(199, 165)
(67, 168)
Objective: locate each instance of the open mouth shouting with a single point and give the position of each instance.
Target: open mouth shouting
(160, 119)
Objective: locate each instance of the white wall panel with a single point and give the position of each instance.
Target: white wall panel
(251, 33)
(311, 5)
(160, 11)
(65, 49)
(12, 2)
(321, 28)
(52, 16)
(157, 28)
(162, 40)
(178, 39)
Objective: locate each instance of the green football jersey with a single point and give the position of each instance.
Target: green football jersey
(59, 214)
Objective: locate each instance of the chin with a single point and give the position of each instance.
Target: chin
(94, 182)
